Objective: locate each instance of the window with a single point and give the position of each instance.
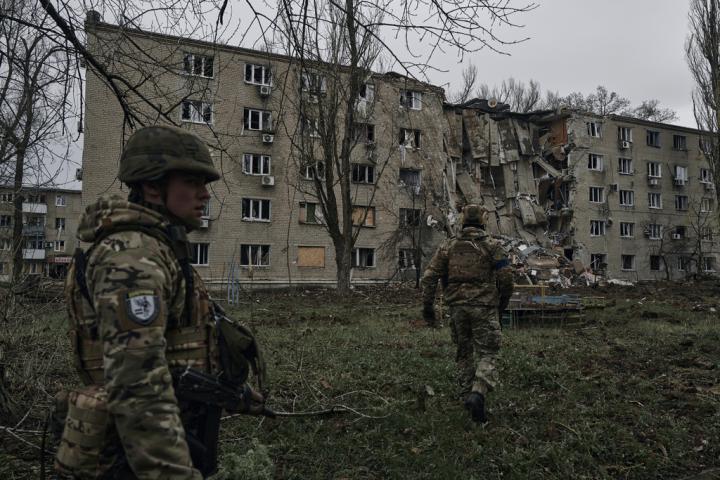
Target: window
(594, 129)
(258, 74)
(627, 230)
(359, 213)
(410, 138)
(60, 200)
(681, 202)
(625, 166)
(597, 228)
(654, 200)
(706, 234)
(406, 259)
(311, 257)
(627, 198)
(255, 255)
(410, 217)
(367, 92)
(411, 99)
(313, 82)
(654, 231)
(681, 175)
(625, 134)
(36, 198)
(206, 210)
(310, 172)
(6, 197)
(59, 223)
(196, 111)
(363, 257)
(310, 127)
(5, 221)
(199, 253)
(5, 244)
(705, 176)
(679, 142)
(37, 243)
(627, 262)
(706, 205)
(59, 245)
(200, 65)
(255, 210)
(362, 173)
(683, 263)
(595, 162)
(597, 194)
(409, 178)
(653, 138)
(365, 132)
(655, 263)
(680, 232)
(598, 261)
(256, 164)
(654, 169)
(708, 264)
(310, 213)
(34, 220)
(257, 119)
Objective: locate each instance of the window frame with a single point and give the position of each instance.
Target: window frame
(680, 142)
(594, 129)
(632, 258)
(679, 204)
(264, 115)
(262, 160)
(625, 162)
(203, 65)
(601, 229)
(266, 74)
(655, 231)
(596, 162)
(356, 256)
(411, 99)
(624, 196)
(625, 134)
(369, 176)
(196, 111)
(652, 138)
(598, 190)
(261, 209)
(627, 229)
(657, 195)
(255, 252)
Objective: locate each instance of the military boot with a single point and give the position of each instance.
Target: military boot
(475, 404)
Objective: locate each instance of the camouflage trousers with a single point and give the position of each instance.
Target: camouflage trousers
(476, 333)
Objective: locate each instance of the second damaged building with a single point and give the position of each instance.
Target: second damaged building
(576, 200)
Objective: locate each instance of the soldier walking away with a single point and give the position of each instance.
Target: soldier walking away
(158, 360)
(478, 284)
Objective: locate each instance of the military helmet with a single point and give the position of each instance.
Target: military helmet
(474, 215)
(152, 152)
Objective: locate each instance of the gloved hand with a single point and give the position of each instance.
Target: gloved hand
(429, 314)
(251, 402)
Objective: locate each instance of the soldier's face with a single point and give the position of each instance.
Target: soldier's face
(186, 195)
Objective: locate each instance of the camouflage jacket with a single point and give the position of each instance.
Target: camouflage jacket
(473, 268)
(136, 285)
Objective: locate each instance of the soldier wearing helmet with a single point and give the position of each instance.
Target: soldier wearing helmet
(477, 284)
(139, 314)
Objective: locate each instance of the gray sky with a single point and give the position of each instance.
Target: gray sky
(633, 47)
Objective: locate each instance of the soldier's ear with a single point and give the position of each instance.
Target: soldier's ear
(153, 192)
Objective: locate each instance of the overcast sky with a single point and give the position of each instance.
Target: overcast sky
(633, 47)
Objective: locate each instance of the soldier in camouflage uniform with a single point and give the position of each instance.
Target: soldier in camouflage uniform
(142, 314)
(477, 284)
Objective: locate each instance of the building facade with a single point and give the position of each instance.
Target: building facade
(50, 221)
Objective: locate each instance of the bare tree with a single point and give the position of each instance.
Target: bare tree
(520, 96)
(652, 111)
(469, 78)
(703, 55)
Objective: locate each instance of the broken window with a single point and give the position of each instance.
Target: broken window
(255, 210)
(363, 216)
(683, 263)
(410, 138)
(59, 223)
(313, 82)
(654, 200)
(680, 232)
(706, 233)
(406, 259)
(310, 213)
(597, 194)
(36, 198)
(594, 129)
(365, 132)
(196, 111)
(654, 169)
(627, 230)
(257, 119)
(254, 255)
(655, 262)
(679, 142)
(200, 65)
(258, 74)
(706, 205)
(708, 264)
(363, 257)
(653, 138)
(598, 261)
(367, 92)
(316, 170)
(681, 202)
(310, 126)
(411, 99)
(625, 166)
(654, 231)
(597, 228)
(5, 244)
(5, 221)
(625, 134)
(409, 177)
(627, 198)
(410, 217)
(627, 262)
(595, 162)
(199, 253)
(256, 164)
(705, 176)
(311, 257)
(362, 173)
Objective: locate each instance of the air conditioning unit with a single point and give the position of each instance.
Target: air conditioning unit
(676, 236)
(265, 90)
(653, 181)
(78, 174)
(205, 222)
(268, 138)
(624, 144)
(680, 182)
(268, 181)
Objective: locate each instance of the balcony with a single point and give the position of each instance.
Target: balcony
(33, 230)
(33, 254)
(39, 208)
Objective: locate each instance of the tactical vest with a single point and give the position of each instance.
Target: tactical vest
(470, 262)
(191, 340)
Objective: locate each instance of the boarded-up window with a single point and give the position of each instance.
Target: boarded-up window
(359, 212)
(311, 257)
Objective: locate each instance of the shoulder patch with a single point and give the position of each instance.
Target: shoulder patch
(142, 307)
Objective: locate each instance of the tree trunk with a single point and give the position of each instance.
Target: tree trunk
(17, 237)
(343, 261)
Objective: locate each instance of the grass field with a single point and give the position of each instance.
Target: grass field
(633, 392)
